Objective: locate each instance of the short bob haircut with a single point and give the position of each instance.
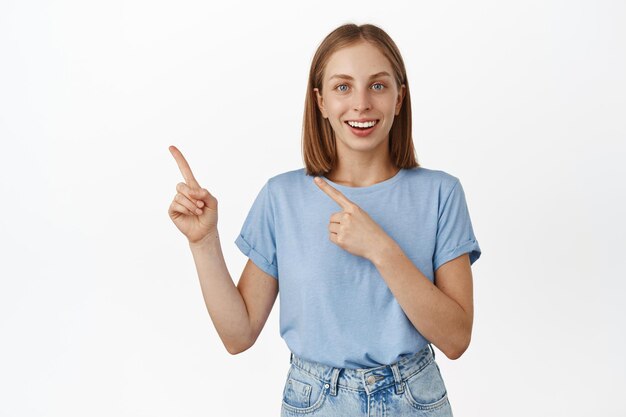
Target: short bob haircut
(318, 138)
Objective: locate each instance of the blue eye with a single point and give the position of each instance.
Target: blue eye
(379, 84)
(342, 85)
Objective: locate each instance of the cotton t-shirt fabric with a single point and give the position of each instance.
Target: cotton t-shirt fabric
(335, 307)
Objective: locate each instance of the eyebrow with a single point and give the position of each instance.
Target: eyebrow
(347, 77)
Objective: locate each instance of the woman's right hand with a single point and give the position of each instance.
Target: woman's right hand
(194, 209)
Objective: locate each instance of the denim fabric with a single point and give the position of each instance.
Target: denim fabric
(412, 386)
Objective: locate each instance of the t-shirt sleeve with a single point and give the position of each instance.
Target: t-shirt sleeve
(455, 235)
(257, 238)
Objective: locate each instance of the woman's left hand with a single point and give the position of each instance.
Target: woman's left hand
(352, 229)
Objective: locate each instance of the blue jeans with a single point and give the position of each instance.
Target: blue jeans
(412, 386)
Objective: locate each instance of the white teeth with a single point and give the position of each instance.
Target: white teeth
(364, 124)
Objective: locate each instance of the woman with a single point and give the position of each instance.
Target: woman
(373, 257)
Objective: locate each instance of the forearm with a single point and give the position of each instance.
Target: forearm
(436, 316)
(223, 300)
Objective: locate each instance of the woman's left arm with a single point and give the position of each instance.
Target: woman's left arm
(442, 313)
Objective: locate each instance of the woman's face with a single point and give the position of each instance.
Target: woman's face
(358, 86)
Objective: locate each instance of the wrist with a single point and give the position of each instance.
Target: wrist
(208, 240)
(384, 251)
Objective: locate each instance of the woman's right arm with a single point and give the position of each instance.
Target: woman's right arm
(238, 313)
(194, 212)
(223, 300)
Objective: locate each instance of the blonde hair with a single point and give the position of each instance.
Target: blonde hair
(318, 138)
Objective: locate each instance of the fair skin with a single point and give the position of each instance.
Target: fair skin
(238, 312)
(361, 161)
(441, 312)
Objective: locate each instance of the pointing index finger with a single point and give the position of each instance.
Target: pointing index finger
(184, 167)
(335, 194)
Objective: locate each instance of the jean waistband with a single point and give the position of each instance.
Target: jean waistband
(368, 379)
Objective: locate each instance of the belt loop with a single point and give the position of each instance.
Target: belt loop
(291, 358)
(398, 378)
(334, 380)
(432, 350)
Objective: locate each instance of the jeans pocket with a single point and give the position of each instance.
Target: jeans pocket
(303, 392)
(425, 390)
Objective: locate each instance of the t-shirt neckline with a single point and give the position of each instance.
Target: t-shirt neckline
(370, 188)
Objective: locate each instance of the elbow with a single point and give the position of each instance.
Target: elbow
(462, 341)
(459, 350)
(232, 350)
(454, 355)
(237, 348)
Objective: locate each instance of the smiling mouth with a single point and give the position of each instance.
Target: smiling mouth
(362, 125)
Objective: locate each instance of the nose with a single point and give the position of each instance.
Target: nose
(362, 101)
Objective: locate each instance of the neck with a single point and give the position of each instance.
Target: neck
(362, 174)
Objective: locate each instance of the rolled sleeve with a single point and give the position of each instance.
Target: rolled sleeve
(455, 235)
(257, 239)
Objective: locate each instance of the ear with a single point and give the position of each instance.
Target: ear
(401, 94)
(320, 102)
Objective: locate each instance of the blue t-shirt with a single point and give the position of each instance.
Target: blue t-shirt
(335, 307)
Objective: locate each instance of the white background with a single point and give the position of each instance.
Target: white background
(101, 312)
